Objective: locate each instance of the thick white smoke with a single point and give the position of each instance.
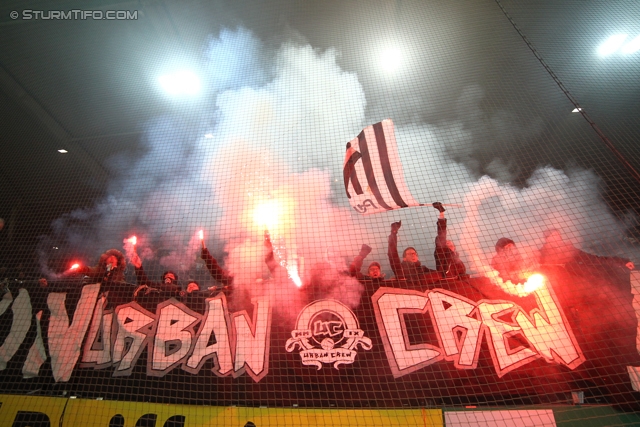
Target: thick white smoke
(279, 147)
(552, 199)
(277, 139)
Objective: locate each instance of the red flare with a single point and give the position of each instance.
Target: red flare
(74, 266)
(201, 235)
(534, 282)
(133, 240)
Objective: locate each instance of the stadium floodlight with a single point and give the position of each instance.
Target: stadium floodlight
(182, 82)
(62, 150)
(631, 47)
(576, 110)
(612, 44)
(391, 59)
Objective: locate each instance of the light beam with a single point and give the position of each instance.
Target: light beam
(182, 82)
(612, 44)
(390, 59)
(631, 47)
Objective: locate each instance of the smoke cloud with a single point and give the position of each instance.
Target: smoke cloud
(265, 152)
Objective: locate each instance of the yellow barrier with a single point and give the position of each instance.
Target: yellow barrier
(81, 412)
(22, 411)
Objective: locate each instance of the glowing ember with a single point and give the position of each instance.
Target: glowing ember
(534, 282)
(74, 267)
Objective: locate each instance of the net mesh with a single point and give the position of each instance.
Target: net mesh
(235, 173)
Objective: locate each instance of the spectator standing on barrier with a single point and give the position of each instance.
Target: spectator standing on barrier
(448, 262)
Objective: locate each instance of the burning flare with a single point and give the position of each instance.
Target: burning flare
(534, 282)
(273, 217)
(267, 215)
(201, 236)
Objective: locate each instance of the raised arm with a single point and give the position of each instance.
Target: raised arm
(612, 261)
(443, 255)
(269, 257)
(356, 265)
(141, 276)
(214, 268)
(392, 251)
(441, 237)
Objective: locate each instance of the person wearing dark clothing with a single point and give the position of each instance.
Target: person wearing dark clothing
(217, 273)
(148, 293)
(587, 259)
(410, 267)
(558, 251)
(555, 249)
(277, 271)
(597, 296)
(374, 273)
(110, 269)
(169, 281)
(194, 298)
(149, 297)
(448, 261)
(269, 257)
(110, 274)
(508, 261)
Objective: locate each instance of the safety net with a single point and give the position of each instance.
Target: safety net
(319, 213)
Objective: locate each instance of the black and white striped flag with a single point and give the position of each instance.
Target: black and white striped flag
(373, 177)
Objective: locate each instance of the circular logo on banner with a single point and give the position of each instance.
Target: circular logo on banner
(327, 331)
